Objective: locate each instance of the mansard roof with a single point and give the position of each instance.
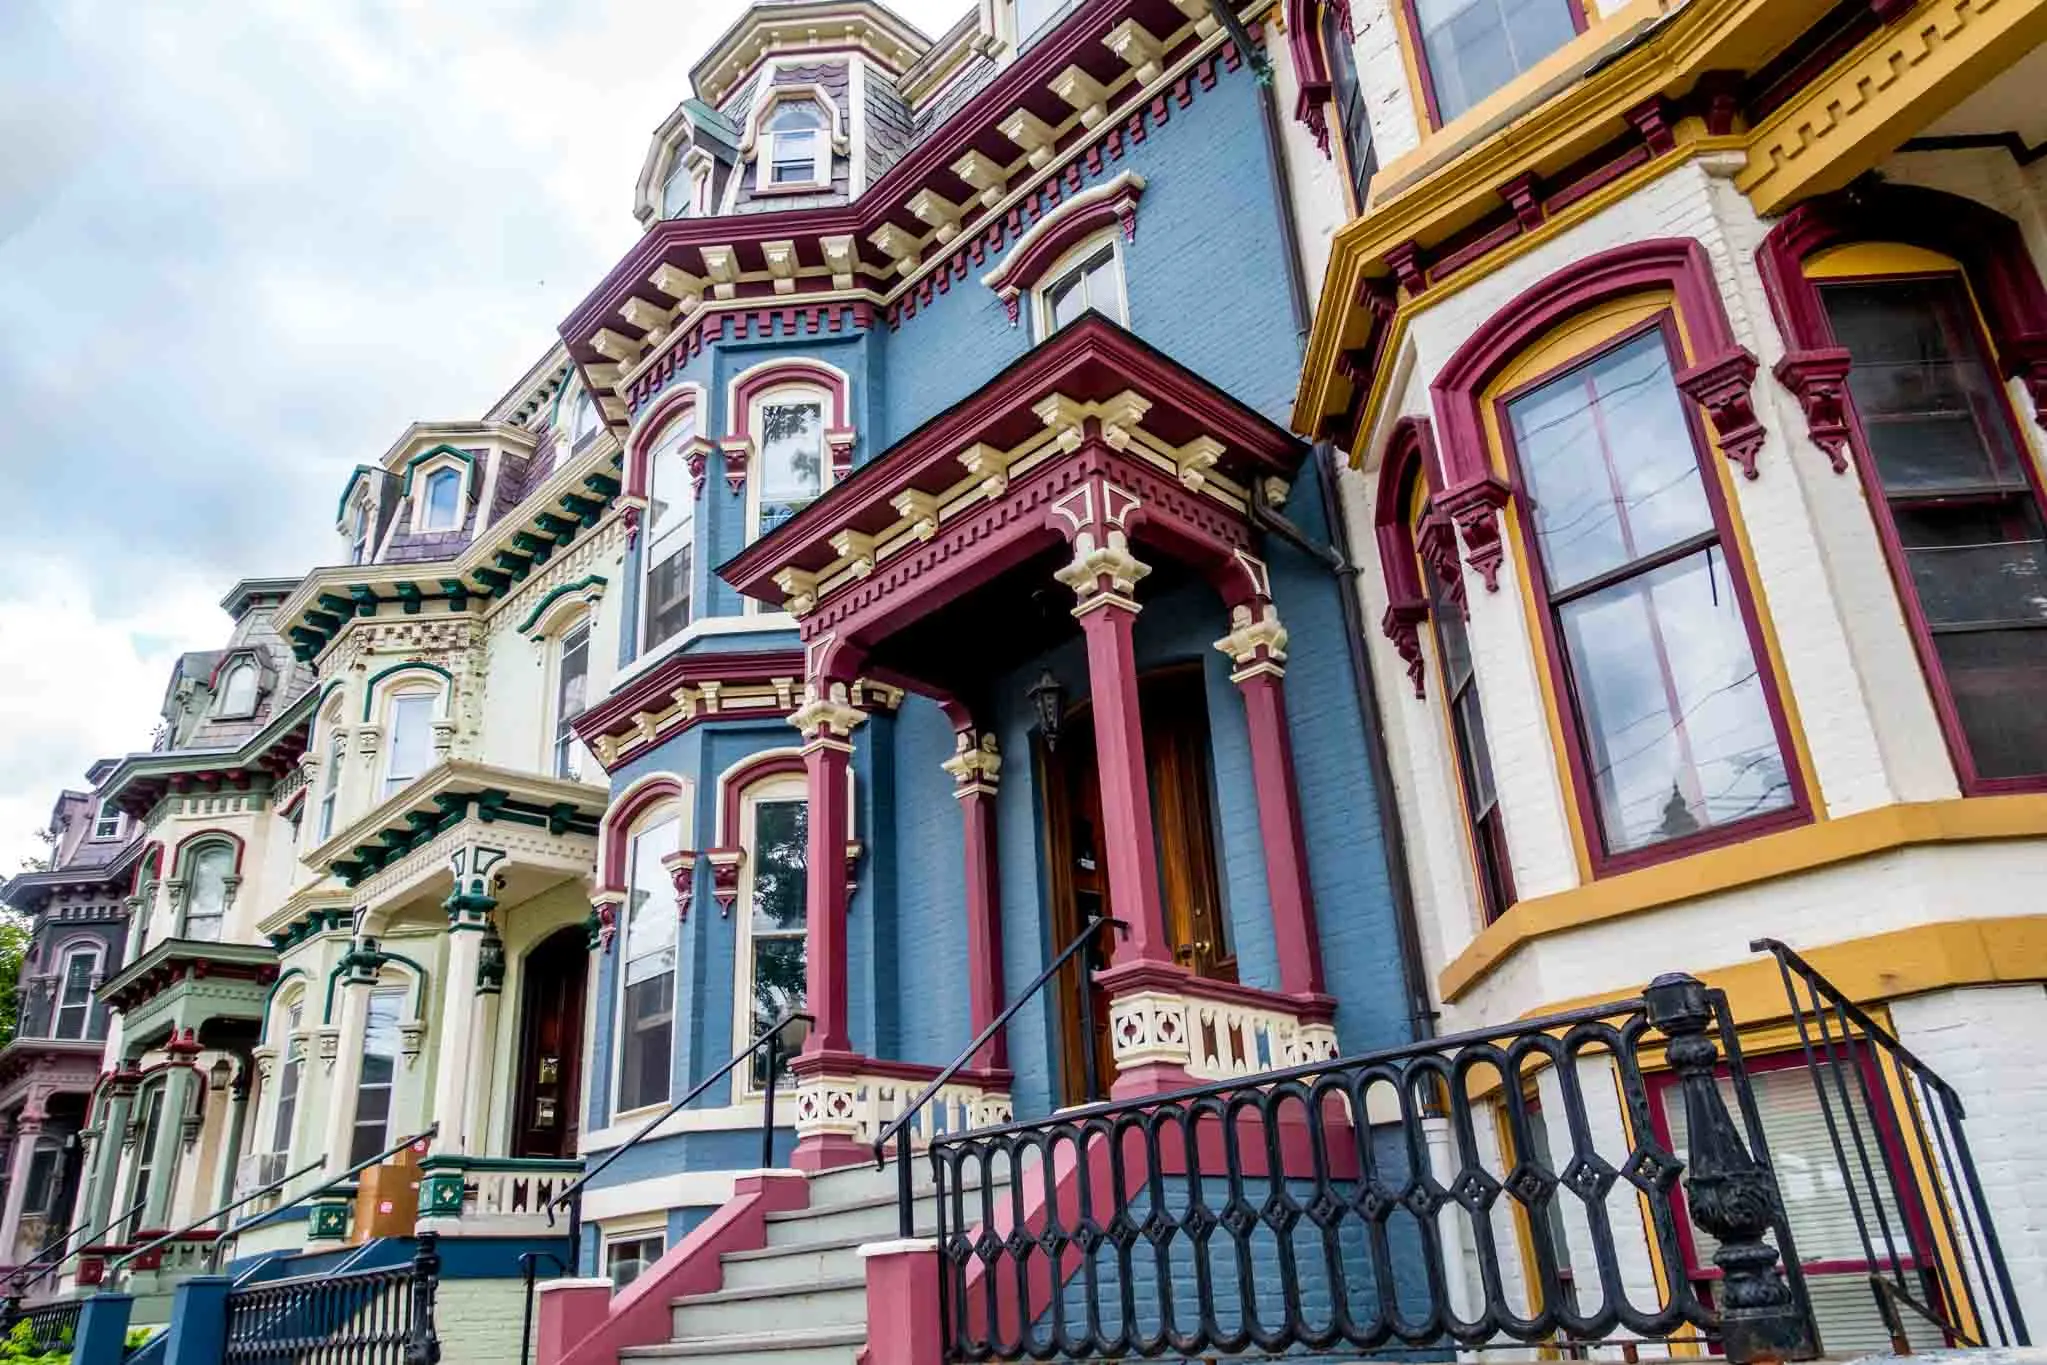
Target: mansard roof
(791, 27)
(140, 780)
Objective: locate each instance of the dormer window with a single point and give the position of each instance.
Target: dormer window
(1091, 278)
(443, 495)
(237, 691)
(107, 823)
(798, 152)
(682, 193)
(583, 424)
(359, 535)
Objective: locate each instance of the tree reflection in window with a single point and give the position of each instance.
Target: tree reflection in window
(780, 859)
(792, 460)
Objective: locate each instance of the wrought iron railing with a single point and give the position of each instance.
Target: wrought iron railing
(51, 1326)
(1336, 1206)
(899, 1130)
(1901, 1148)
(362, 1317)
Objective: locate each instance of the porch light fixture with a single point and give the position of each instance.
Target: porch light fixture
(1048, 699)
(220, 1074)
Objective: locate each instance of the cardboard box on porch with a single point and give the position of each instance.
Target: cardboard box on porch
(387, 1200)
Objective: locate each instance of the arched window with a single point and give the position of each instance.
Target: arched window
(74, 991)
(209, 886)
(774, 831)
(1088, 278)
(1354, 126)
(646, 1010)
(571, 692)
(330, 777)
(359, 532)
(238, 690)
(289, 1076)
(1470, 48)
(149, 1106)
(797, 149)
(443, 508)
(583, 419)
(371, 1132)
(410, 742)
(793, 469)
(670, 535)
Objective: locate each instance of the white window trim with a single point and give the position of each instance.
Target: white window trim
(72, 951)
(558, 640)
(1041, 302)
(239, 661)
(274, 1089)
(663, 812)
(780, 787)
(387, 720)
(757, 144)
(686, 418)
(578, 439)
(100, 817)
(188, 862)
(424, 472)
(777, 395)
(333, 760)
(362, 511)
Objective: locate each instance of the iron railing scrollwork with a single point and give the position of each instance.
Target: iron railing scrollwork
(51, 1325)
(362, 1317)
(1901, 1151)
(1335, 1206)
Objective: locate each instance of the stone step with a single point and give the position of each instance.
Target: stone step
(835, 1301)
(872, 1219)
(800, 1346)
(798, 1263)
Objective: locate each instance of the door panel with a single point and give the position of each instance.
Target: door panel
(546, 1119)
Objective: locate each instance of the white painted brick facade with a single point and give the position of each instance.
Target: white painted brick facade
(1984, 1041)
(479, 1321)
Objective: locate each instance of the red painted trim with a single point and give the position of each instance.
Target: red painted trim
(613, 830)
(750, 773)
(654, 690)
(1410, 455)
(793, 370)
(2006, 287)
(826, 983)
(1128, 837)
(213, 836)
(1800, 809)
(1063, 229)
(984, 924)
(651, 428)
(1295, 938)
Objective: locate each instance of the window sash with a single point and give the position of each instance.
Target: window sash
(626, 1259)
(647, 980)
(74, 1001)
(288, 1085)
(106, 824)
(1092, 283)
(776, 957)
(1470, 48)
(411, 740)
(376, 1085)
(571, 683)
(1487, 829)
(206, 893)
(238, 690)
(443, 488)
(793, 158)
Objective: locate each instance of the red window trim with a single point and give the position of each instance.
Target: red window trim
(2011, 326)
(1411, 17)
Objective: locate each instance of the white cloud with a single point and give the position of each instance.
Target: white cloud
(243, 243)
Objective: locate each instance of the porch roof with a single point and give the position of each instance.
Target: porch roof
(191, 981)
(1093, 376)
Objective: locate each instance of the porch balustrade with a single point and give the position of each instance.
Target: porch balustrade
(478, 1195)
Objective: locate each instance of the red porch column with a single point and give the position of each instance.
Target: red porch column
(974, 768)
(826, 720)
(1257, 643)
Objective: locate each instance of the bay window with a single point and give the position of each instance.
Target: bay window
(74, 997)
(1470, 48)
(646, 1015)
(1474, 753)
(776, 835)
(1959, 510)
(1677, 737)
(208, 874)
(792, 457)
(411, 739)
(670, 536)
(371, 1132)
(288, 1077)
(151, 1109)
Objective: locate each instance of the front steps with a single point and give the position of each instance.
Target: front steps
(801, 1300)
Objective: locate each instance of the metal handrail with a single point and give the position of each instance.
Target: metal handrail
(432, 1132)
(17, 1286)
(771, 1039)
(899, 1128)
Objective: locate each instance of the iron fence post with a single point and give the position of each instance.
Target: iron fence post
(1730, 1193)
(423, 1345)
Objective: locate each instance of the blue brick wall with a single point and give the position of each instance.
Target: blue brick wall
(929, 928)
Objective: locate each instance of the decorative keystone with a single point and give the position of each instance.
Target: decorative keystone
(976, 763)
(1256, 642)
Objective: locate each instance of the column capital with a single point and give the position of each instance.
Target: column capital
(827, 716)
(1102, 575)
(976, 764)
(1256, 642)
(479, 874)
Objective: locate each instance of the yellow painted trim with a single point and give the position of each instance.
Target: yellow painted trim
(1896, 81)
(1410, 44)
(1878, 258)
(1749, 863)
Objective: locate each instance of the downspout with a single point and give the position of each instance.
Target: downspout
(1275, 165)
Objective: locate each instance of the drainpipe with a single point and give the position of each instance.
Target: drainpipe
(1337, 558)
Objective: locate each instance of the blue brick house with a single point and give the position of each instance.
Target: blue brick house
(974, 590)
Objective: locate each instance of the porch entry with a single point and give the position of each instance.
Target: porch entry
(1174, 710)
(545, 1120)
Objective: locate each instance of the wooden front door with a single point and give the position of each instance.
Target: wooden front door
(1175, 717)
(548, 1085)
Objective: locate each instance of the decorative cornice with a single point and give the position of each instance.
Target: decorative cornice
(685, 690)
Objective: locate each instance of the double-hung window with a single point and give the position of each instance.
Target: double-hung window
(1677, 736)
(206, 891)
(74, 1001)
(571, 686)
(107, 823)
(151, 1102)
(798, 144)
(1353, 124)
(1090, 280)
(670, 536)
(778, 860)
(412, 739)
(1471, 48)
(678, 190)
(443, 505)
(372, 1129)
(238, 690)
(1960, 512)
(288, 1081)
(330, 781)
(359, 535)
(646, 1025)
(792, 458)
(583, 419)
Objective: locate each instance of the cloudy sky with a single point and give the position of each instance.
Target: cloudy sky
(242, 244)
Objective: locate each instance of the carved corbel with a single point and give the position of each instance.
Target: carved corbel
(725, 864)
(738, 457)
(1721, 386)
(1402, 625)
(682, 874)
(1475, 508)
(1819, 380)
(918, 508)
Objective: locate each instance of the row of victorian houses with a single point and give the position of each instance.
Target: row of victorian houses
(1427, 512)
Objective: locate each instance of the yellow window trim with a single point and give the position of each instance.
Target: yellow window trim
(1749, 863)
(1878, 258)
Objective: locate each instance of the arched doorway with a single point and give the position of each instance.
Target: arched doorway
(548, 1085)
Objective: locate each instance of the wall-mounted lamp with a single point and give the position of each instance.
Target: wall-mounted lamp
(1048, 699)
(220, 1074)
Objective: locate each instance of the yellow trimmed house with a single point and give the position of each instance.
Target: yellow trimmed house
(1691, 365)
